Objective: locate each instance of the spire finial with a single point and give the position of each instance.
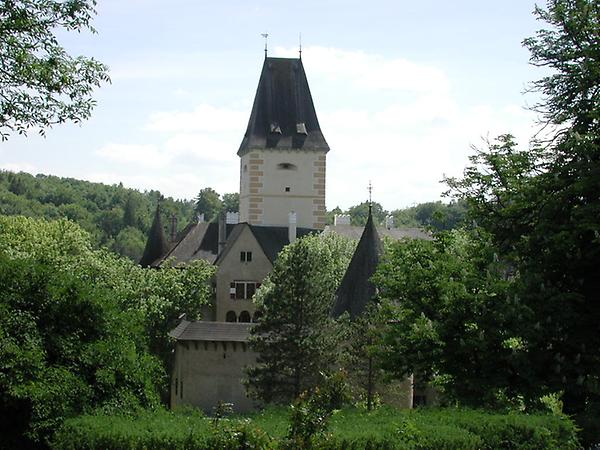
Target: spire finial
(266, 36)
(300, 44)
(370, 189)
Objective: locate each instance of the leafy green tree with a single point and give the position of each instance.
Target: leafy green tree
(292, 337)
(542, 207)
(359, 213)
(130, 242)
(359, 352)
(82, 328)
(41, 84)
(208, 203)
(451, 317)
(231, 202)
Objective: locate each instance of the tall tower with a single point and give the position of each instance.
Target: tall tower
(283, 153)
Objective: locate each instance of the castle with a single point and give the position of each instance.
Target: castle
(283, 158)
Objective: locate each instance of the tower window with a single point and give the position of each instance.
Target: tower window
(286, 166)
(230, 316)
(245, 316)
(287, 189)
(301, 128)
(246, 256)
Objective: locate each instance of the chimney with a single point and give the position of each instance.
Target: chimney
(222, 232)
(173, 228)
(291, 226)
(341, 219)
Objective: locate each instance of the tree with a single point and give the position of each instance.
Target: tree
(208, 203)
(451, 318)
(40, 83)
(359, 213)
(542, 208)
(231, 202)
(292, 337)
(82, 328)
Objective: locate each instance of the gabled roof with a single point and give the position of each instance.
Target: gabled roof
(211, 331)
(283, 114)
(198, 241)
(356, 288)
(156, 245)
(270, 239)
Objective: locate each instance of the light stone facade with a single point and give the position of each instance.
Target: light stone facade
(275, 182)
(232, 269)
(209, 372)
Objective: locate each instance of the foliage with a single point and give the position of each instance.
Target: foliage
(437, 216)
(311, 411)
(231, 202)
(385, 428)
(40, 83)
(208, 203)
(116, 217)
(292, 338)
(450, 310)
(358, 352)
(541, 208)
(78, 326)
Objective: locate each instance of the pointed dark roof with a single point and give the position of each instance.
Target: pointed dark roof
(197, 241)
(356, 288)
(156, 245)
(283, 115)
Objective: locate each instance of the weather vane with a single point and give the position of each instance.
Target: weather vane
(300, 44)
(266, 36)
(370, 189)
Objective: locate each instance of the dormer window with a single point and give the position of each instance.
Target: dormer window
(301, 128)
(275, 128)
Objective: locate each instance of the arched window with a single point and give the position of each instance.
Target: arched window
(256, 317)
(245, 316)
(230, 316)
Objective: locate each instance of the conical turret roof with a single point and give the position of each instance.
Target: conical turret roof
(156, 245)
(356, 288)
(283, 115)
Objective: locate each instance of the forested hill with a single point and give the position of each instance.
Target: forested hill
(115, 216)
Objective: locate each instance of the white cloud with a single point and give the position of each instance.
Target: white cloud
(369, 71)
(136, 154)
(204, 117)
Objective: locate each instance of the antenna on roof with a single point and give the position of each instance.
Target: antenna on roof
(300, 44)
(266, 36)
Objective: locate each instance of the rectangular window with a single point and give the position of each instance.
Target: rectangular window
(245, 256)
(240, 291)
(243, 290)
(248, 256)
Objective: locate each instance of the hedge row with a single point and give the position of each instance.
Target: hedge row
(386, 428)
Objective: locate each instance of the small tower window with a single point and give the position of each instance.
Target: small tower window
(287, 189)
(246, 256)
(286, 166)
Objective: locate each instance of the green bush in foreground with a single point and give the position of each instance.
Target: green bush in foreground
(385, 428)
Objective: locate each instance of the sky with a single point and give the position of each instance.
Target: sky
(403, 91)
